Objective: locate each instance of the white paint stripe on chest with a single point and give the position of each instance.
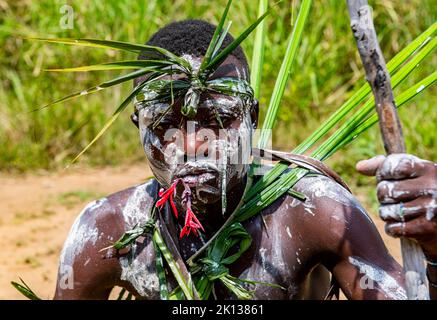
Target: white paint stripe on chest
(138, 267)
(139, 272)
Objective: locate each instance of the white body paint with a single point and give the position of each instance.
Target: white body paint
(80, 235)
(135, 271)
(391, 193)
(391, 211)
(193, 61)
(133, 211)
(385, 283)
(321, 186)
(393, 162)
(262, 253)
(138, 268)
(288, 232)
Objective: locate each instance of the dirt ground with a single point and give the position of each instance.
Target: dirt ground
(36, 212)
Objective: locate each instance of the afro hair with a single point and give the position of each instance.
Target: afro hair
(190, 37)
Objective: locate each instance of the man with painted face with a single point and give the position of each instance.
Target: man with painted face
(295, 244)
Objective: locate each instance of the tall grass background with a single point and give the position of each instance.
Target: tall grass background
(326, 72)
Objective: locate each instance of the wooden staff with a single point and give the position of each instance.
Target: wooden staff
(379, 79)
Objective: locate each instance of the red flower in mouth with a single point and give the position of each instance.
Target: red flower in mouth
(166, 195)
(192, 224)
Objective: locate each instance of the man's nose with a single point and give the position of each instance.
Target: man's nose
(197, 140)
(191, 144)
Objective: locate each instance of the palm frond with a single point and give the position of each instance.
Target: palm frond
(151, 65)
(343, 111)
(111, 120)
(101, 86)
(284, 72)
(156, 52)
(258, 51)
(216, 39)
(221, 56)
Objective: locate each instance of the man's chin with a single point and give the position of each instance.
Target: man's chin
(206, 194)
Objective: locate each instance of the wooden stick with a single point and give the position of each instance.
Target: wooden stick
(379, 80)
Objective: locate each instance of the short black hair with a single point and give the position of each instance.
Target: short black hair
(190, 37)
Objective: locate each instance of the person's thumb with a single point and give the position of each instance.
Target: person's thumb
(370, 166)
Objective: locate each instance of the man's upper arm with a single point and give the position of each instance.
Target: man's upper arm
(84, 272)
(352, 247)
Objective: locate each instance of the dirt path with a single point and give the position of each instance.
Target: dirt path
(36, 213)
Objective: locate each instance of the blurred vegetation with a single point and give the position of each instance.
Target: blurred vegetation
(327, 71)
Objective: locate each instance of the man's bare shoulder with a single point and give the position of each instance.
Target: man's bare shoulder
(105, 220)
(327, 204)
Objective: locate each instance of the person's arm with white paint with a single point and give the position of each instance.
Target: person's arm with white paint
(346, 241)
(407, 192)
(84, 272)
(358, 258)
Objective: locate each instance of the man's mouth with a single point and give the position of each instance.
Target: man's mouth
(196, 176)
(194, 180)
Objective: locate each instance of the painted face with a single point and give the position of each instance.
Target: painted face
(209, 152)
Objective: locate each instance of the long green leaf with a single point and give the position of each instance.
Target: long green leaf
(119, 45)
(258, 51)
(209, 52)
(284, 72)
(364, 92)
(270, 192)
(111, 120)
(185, 287)
(353, 121)
(163, 290)
(99, 87)
(118, 65)
(220, 40)
(400, 100)
(233, 45)
(25, 290)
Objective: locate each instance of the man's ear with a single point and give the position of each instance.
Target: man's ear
(134, 118)
(254, 111)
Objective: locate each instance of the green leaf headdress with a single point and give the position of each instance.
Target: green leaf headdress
(162, 63)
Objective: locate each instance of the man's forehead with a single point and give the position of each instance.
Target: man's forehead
(230, 67)
(212, 104)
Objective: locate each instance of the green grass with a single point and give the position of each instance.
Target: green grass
(326, 71)
(72, 198)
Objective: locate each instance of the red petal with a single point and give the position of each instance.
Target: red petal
(184, 232)
(173, 205)
(161, 192)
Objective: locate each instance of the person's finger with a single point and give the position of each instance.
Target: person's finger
(401, 212)
(400, 166)
(370, 166)
(418, 228)
(389, 192)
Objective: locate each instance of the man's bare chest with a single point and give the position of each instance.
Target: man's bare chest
(276, 263)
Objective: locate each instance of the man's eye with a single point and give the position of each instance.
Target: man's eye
(162, 125)
(219, 121)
